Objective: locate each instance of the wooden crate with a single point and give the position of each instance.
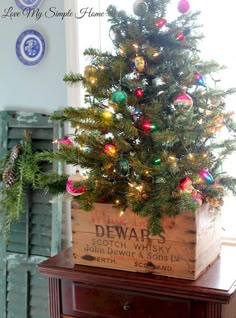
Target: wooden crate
(104, 238)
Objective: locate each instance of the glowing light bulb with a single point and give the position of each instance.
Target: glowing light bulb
(110, 149)
(157, 161)
(200, 121)
(139, 188)
(92, 80)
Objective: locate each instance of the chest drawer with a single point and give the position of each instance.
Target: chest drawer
(118, 303)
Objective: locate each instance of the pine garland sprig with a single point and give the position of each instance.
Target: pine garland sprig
(53, 183)
(73, 78)
(58, 116)
(12, 203)
(61, 155)
(97, 53)
(28, 174)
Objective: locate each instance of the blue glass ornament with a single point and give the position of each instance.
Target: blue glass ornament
(136, 113)
(87, 149)
(206, 176)
(199, 79)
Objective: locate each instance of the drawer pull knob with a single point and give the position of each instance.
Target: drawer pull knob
(127, 307)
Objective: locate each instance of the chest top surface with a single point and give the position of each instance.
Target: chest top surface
(218, 283)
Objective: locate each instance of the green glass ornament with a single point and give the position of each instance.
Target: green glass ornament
(122, 167)
(119, 97)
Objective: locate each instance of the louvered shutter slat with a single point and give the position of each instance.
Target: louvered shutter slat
(23, 291)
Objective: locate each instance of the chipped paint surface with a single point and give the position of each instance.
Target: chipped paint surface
(15, 258)
(27, 117)
(26, 249)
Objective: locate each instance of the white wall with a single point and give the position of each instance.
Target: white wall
(38, 88)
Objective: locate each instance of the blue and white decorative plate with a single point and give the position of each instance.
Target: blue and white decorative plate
(30, 47)
(23, 4)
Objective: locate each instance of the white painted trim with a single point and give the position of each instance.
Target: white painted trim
(72, 52)
(229, 241)
(74, 97)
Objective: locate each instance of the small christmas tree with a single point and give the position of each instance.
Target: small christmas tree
(149, 134)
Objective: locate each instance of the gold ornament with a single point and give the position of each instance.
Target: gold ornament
(139, 63)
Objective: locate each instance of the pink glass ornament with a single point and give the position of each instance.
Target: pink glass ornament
(183, 6)
(75, 191)
(66, 141)
(183, 102)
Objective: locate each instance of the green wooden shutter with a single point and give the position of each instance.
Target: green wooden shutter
(37, 236)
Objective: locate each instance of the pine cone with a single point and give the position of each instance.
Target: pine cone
(14, 154)
(8, 177)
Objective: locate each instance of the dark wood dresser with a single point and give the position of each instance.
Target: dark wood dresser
(82, 291)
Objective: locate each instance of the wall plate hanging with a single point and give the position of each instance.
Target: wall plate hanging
(30, 47)
(23, 4)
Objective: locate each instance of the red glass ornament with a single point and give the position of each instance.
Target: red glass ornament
(183, 6)
(161, 22)
(139, 92)
(110, 149)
